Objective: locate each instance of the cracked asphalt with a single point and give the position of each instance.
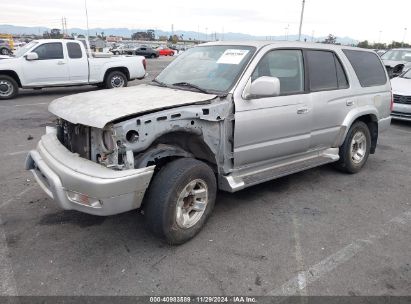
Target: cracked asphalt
(318, 232)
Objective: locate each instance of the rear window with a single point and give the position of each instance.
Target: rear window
(368, 67)
(74, 50)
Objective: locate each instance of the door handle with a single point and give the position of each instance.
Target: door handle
(303, 110)
(61, 63)
(349, 103)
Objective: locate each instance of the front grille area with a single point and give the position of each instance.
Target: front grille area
(402, 99)
(75, 138)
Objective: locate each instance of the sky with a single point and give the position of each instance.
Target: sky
(372, 20)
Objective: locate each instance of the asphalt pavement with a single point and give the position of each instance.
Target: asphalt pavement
(318, 232)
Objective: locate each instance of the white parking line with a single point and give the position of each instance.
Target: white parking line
(301, 278)
(8, 286)
(312, 274)
(17, 153)
(31, 104)
(4, 204)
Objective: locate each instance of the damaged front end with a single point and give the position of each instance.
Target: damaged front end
(105, 171)
(98, 145)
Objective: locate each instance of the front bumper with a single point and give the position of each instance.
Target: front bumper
(401, 112)
(66, 177)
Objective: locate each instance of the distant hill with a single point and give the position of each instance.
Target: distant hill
(126, 32)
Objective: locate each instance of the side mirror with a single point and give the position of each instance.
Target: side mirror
(32, 56)
(264, 86)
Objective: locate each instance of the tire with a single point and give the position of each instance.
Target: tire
(153, 56)
(115, 79)
(355, 150)
(8, 87)
(166, 200)
(4, 51)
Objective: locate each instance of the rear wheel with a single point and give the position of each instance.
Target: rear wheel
(356, 148)
(116, 79)
(153, 56)
(8, 87)
(180, 200)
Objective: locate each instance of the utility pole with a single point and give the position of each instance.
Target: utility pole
(62, 25)
(286, 32)
(379, 39)
(85, 5)
(403, 39)
(301, 21)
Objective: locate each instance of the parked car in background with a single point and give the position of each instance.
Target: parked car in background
(124, 49)
(59, 62)
(396, 61)
(221, 116)
(165, 51)
(146, 51)
(401, 89)
(5, 48)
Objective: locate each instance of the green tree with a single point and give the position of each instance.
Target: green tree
(331, 39)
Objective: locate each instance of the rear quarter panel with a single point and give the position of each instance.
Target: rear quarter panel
(99, 66)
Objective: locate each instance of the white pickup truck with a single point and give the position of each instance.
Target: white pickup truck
(62, 62)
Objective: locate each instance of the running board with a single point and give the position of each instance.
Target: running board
(252, 176)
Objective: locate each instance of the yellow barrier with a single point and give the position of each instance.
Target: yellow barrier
(9, 38)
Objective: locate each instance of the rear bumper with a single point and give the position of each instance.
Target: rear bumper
(75, 183)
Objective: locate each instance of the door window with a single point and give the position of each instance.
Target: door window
(74, 50)
(287, 66)
(50, 51)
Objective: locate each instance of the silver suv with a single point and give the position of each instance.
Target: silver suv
(224, 115)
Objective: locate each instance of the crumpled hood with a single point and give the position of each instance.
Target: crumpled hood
(401, 86)
(96, 109)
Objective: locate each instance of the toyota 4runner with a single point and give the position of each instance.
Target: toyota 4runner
(223, 115)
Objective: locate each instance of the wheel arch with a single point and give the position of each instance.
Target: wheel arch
(122, 69)
(176, 144)
(370, 118)
(13, 75)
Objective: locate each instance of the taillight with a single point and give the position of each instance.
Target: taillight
(145, 64)
(392, 102)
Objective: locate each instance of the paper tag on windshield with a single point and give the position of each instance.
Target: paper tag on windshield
(232, 56)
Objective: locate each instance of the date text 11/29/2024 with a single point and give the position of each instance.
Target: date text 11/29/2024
(203, 299)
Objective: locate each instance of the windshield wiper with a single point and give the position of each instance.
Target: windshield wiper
(161, 84)
(190, 85)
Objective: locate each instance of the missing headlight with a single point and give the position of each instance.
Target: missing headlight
(108, 140)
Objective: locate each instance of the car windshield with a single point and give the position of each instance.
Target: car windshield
(397, 55)
(407, 74)
(209, 68)
(23, 50)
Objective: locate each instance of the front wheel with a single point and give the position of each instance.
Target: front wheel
(8, 87)
(355, 150)
(116, 79)
(180, 200)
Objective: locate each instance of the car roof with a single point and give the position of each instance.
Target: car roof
(290, 44)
